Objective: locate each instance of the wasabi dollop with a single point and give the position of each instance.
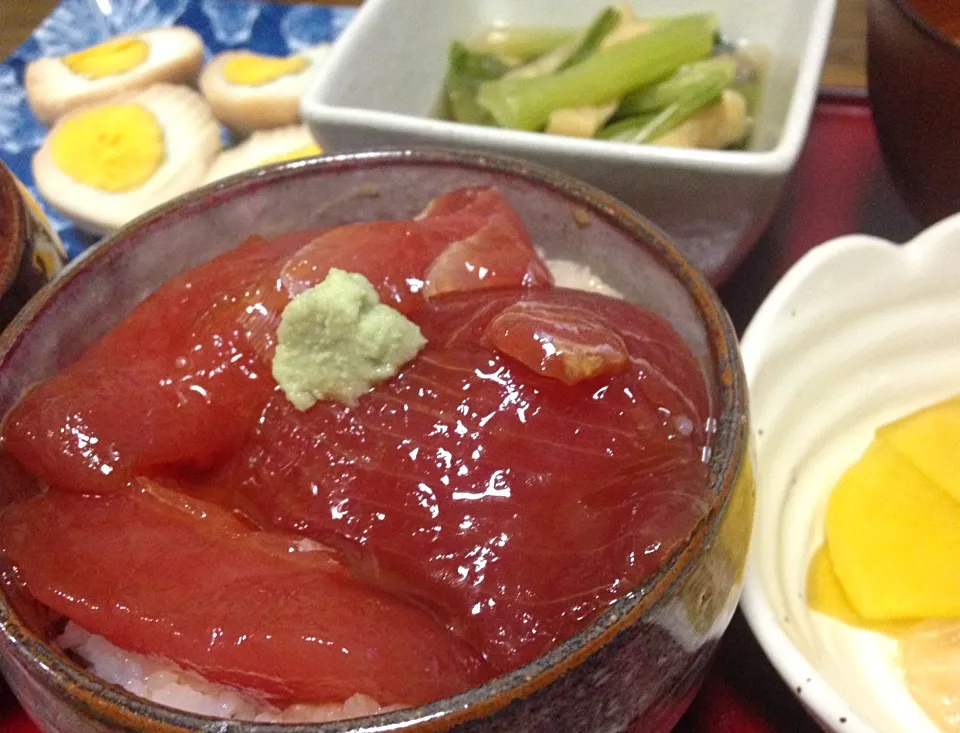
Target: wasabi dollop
(336, 341)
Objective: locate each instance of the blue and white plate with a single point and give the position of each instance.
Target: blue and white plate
(76, 24)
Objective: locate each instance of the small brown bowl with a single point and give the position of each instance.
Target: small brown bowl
(30, 250)
(913, 67)
(638, 665)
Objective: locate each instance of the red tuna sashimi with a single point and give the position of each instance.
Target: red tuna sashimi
(477, 203)
(179, 578)
(518, 505)
(464, 240)
(150, 392)
(392, 255)
(474, 240)
(489, 246)
(177, 384)
(558, 340)
(491, 257)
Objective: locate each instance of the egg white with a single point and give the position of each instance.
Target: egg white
(244, 108)
(259, 148)
(191, 141)
(175, 56)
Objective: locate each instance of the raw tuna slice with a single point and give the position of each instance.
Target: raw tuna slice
(489, 246)
(516, 503)
(392, 255)
(541, 456)
(491, 257)
(150, 392)
(467, 239)
(160, 574)
(178, 383)
(560, 341)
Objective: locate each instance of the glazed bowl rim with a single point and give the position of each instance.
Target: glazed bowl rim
(729, 455)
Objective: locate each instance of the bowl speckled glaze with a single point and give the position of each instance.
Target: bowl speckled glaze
(633, 669)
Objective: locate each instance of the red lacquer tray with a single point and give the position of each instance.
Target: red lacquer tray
(839, 187)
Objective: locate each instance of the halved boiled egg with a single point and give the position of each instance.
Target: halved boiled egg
(104, 164)
(264, 147)
(249, 91)
(123, 64)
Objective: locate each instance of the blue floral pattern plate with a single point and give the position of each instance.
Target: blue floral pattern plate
(76, 24)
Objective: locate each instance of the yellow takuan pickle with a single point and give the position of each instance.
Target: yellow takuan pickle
(930, 439)
(826, 595)
(252, 69)
(824, 591)
(894, 539)
(113, 148)
(116, 56)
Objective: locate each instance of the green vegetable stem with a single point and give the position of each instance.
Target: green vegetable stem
(647, 127)
(521, 43)
(466, 70)
(608, 74)
(590, 41)
(703, 80)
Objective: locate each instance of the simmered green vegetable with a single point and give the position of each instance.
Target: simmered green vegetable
(649, 112)
(648, 127)
(570, 52)
(521, 43)
(638, 80)
(599, 29)
(466, 71)
(525, 104)
(703, 80)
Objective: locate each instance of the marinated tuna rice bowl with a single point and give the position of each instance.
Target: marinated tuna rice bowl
(339, 472)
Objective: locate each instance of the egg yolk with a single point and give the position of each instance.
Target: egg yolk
(113, 148)
(304, 151)
(251, 69)
(109, 58)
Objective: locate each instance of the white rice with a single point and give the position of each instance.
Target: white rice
(165, 683)
(570, 274)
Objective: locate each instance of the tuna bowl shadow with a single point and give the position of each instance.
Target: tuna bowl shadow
(638, 665)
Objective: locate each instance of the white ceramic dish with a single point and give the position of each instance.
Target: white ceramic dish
(385, 76)
(859, 332)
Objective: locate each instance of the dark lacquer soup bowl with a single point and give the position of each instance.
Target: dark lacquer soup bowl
(637, 665)
(30, 250)
(913, 64)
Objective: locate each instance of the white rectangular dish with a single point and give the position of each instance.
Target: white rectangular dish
(385, 77)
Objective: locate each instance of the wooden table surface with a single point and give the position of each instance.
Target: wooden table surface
(845, 67)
